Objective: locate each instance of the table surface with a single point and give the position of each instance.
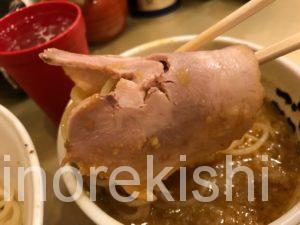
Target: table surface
(276, 22)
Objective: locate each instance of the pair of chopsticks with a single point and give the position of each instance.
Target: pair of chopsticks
(264, 55)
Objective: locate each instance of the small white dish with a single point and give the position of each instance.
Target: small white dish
(16, 142)
(277, 74)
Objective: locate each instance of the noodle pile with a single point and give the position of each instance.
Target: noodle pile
(10, 211)
(250, 143)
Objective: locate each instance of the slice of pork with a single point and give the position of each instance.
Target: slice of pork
(89, 72)
(192, 104)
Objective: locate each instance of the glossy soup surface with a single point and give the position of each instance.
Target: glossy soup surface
(283, 166)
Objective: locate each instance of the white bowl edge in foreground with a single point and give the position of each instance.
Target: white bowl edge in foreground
(23, 149)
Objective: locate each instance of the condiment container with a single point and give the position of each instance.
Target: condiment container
(26, 33)
(104, 19)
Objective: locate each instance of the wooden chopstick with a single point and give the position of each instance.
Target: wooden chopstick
(279, 49)
(225, 24)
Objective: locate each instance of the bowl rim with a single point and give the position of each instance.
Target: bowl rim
(38, 204)
(95, 213)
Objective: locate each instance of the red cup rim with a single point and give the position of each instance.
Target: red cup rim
(44, 44)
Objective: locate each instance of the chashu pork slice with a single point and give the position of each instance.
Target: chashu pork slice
(89, 72)
(193, 104)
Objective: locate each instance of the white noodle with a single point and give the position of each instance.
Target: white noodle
(77, 95)
(10, 211)
(107, 87)
(137, 203)
(236, 149)
(141, 213)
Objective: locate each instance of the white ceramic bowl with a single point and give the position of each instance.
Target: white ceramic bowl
(15, 141)
(278, 74)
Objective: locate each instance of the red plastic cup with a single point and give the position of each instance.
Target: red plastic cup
(26, 33)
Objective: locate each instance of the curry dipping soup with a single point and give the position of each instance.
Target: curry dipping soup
(283, 170)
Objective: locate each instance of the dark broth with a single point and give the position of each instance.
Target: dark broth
(283, 166)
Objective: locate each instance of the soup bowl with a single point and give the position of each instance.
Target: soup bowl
(279, 74)
(16, 143)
